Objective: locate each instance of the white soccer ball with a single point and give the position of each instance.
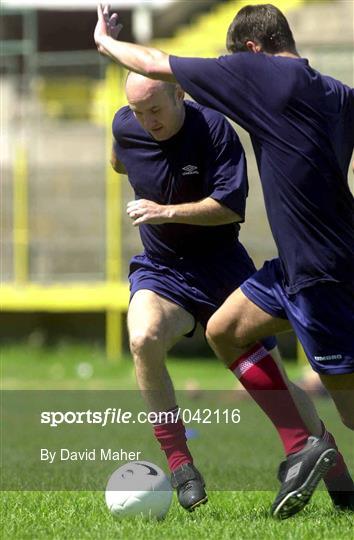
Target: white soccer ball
(139, 488)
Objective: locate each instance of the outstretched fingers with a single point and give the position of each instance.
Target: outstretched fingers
(111, 20)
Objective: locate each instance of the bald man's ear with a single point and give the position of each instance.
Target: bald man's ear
(179, 93)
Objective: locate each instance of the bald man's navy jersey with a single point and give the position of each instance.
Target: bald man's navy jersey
(302, 129)
(204, 159)
(195, 267)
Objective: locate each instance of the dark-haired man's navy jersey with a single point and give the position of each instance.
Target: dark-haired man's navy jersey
(302, 128)
(204, 159)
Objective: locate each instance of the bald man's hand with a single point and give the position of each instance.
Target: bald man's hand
(144, 211)
(207, 212)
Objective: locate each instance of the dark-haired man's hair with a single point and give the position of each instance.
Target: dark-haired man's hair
(263, 24)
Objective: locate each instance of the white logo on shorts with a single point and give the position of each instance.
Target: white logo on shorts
(329, 357)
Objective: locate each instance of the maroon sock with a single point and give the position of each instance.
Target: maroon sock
(261, 377)
(171, 435)
(338, 476)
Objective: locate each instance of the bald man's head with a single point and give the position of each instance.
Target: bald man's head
(158, 106)
(138, 87)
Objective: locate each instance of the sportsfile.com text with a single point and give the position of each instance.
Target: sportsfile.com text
(120, 416)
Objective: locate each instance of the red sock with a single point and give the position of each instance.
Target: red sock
(338, 476)
(172, 438)
(263, 380)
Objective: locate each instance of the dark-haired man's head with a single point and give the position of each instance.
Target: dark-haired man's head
(260, 28)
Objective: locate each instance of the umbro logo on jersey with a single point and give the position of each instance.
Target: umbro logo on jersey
(190, 169)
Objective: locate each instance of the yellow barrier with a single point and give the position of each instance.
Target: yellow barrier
(62, 297)
(110, 298)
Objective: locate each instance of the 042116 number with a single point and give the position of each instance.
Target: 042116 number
(209, 416)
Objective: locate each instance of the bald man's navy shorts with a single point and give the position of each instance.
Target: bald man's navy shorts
(200, 286)
(321, 315)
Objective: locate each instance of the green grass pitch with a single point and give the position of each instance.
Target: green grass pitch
(83, 514)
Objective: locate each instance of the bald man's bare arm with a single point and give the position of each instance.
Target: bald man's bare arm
(144, 60)
(116, 164)
(207, 212)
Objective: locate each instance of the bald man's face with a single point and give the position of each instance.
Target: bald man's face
(157, 107)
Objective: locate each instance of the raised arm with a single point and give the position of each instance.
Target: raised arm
(144, 60)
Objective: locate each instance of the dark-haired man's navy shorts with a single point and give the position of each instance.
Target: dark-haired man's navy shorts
(198, 286)
(321, 315)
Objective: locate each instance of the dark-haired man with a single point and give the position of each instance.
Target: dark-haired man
(302, 129)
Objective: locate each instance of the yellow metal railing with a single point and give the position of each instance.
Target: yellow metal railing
(20, 215)
(114, 323)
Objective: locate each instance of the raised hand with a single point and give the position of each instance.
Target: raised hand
(112, 25)
(107, 25)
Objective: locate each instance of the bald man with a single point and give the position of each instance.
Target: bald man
(188, 171)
